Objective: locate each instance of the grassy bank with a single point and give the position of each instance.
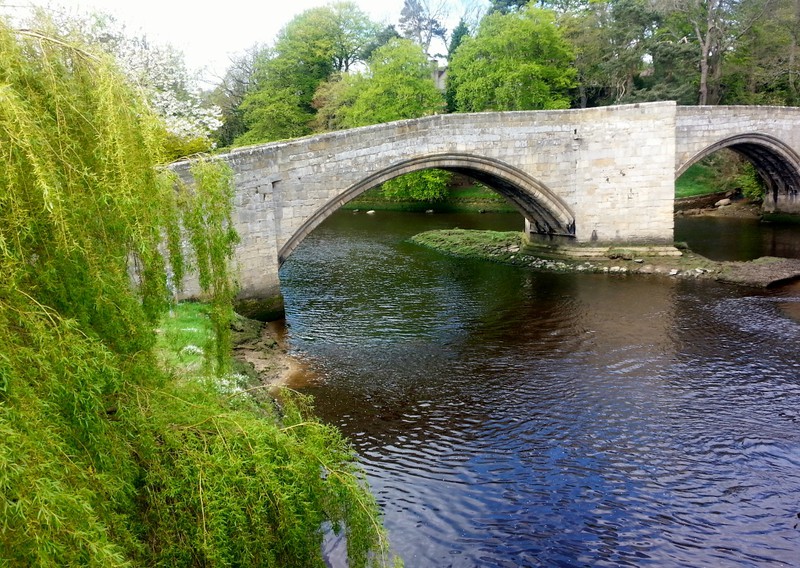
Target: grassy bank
(512, 248)
(697, 180)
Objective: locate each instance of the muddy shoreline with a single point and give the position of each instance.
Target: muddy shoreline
(261, 349)
(723, 204)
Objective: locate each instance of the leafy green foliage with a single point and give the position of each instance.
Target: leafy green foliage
(232, 486)
(750, 182)
(459, 33)
(207, 217)
(313, 46)
(613, 41)
(381, 38)
(399, 85)
(517, 61)
(764, 66)
(105, 458)
(722, 171)
(334, 99)
(424, 185)
(273, 115)
(697, 180)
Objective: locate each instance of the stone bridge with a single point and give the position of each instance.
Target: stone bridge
(596, 177)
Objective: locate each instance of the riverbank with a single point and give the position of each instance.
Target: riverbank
(261, 352)
(722, 204)
(260, 356)
(512, 248)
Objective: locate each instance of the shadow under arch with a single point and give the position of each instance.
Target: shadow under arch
(544, 210)
(777, 163)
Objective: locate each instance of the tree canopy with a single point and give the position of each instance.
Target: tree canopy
(398, 84)
(313, 46)
(534, 55)
(516, 61)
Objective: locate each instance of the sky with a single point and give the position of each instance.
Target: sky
(209, 34)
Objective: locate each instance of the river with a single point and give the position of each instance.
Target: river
(507, 417)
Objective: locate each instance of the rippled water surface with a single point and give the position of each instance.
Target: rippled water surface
(515, 418)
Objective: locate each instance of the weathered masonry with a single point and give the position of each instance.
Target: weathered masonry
(596, 177)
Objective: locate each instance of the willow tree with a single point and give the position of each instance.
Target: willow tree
(105, 459)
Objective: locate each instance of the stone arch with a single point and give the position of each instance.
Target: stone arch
(777, 163)
(541, 207)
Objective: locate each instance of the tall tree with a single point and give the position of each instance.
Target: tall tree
(507, 6)
(518, 61)
(399, 84)
(762, 67)
(230, 92)
(459, 33)
(715, 26)
(352, 33)
(313, 46)
(613, 42)
(421, 21)
(457, 36)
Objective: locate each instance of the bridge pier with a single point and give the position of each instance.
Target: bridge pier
(782, 198)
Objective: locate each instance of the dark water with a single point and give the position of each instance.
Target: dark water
(513, 418)
(721, 238)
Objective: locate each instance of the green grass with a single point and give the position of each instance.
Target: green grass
(185, 335)
(697, 180)
(467, 243)
(475, 192)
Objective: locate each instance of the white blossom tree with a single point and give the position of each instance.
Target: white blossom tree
(159, 70)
